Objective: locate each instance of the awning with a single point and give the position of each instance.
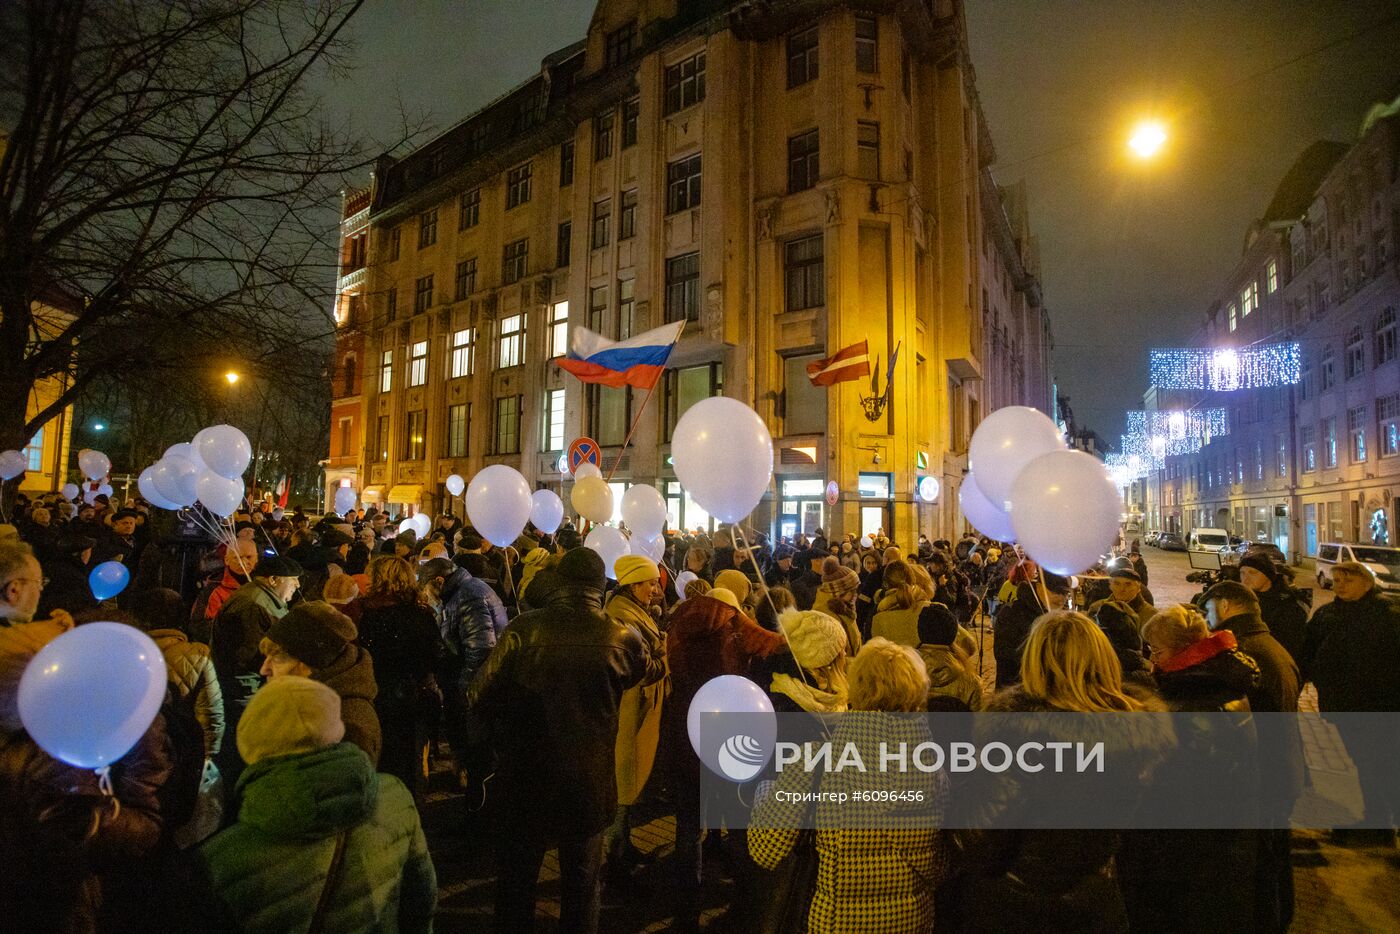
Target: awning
(371, 494)
(405, 493)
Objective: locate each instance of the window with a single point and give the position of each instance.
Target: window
(1305, 379)
(344, 447)
(508, 424)
(1385, 336)
(626, 308)
(418, 363)
(609, 413)
(415, 434)
(867, 44)
(469, 209)
(597, 308)
(1281, 447)
(801, 57)
(422, 294)
(1249, 299)
(553, 420)
(510, 345)
(602, 136)
(566, 163)
(1307, 439)
(393, 244)
(463, 352)
(631, 111)
(683, 288)
(1271, 277)
(427, 228)
(804, 273)
(391, 303)
(620, 44)
(458, 430)
(627, 222)
(804, 405)
(386, 371)
(1329, 441)
(868, 149)
(34, 453)
(1356, 433)
(558, 329)
(1388, 418)
(1231, 316)
(1329, 369)
(683, 388)
(685, 83)
(466, 278)
(803, 163)
(515, 261)
(350, 386)
(518, 186)
(683, 184)
(602, 222)
(1354, 362)
(563, 245)
(381, 439)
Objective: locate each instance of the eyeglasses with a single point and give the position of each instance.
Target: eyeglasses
(42, 582)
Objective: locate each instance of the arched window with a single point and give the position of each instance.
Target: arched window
(351, 386)
(1355, 358)
(1385, 336)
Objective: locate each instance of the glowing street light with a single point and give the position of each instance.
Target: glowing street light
(1148, 138)
(232, 376)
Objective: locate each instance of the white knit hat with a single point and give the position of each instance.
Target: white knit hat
(816, 639)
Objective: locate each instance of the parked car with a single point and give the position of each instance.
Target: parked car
(1207, 539)
(1384, 561)
(1170, 541)
(1152, 537)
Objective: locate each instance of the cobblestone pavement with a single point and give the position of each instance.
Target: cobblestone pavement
(1338, 890)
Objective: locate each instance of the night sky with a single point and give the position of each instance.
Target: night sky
(1132, 254)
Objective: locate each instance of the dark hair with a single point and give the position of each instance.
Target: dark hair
(158, 608)
(436, 567)
(937, 625)
(1233, 591)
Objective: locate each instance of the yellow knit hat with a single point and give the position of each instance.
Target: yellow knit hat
(635, 569)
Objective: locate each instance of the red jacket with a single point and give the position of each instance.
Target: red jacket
(707, 639)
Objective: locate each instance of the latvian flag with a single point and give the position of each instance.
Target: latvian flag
(851, 363)
(637, 361)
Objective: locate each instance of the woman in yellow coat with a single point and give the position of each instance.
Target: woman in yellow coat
(638, 594)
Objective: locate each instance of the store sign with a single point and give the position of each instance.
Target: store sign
(833, 493)
(921, 460)
(928, 489)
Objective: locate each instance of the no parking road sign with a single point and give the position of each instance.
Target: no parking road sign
(585, 451)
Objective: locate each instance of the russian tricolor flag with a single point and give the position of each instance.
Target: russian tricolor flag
(637, 361)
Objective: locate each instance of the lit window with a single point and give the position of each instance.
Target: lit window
(1388, 417)
(554, 420)
(418, 363)
(34, 453)
(1231, 315)
(1271, 277)
(386, 371)
(511, 345)
(415, 435)
(463, 352)
(559, 329)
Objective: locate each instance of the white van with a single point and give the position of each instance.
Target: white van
(1212, 540)
(1385, 562)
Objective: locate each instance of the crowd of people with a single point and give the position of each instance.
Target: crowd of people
(319, 665)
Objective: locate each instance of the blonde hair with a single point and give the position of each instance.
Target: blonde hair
(697, 588)
(340, 589)
(392, 576)
(908, 584)
(1069, 664)
(886, 676)
(1174, 629)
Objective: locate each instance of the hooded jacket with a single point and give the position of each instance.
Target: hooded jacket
(266, 872)
(708, 638)
(551, 690)
(1286, 616)
(351, 676)
(470, 616)
(191, 673)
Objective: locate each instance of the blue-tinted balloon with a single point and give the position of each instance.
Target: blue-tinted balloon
(108, 579)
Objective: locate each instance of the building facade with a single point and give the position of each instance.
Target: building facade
(788, 181)
(348, 364)
(47, 453)
(1317, 461)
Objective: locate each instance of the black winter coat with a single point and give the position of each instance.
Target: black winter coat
(1280, 743)
(404, 640)
(68, 587)
(1287, 618)
(1010, 628)
(550, 692)
(1352, 654)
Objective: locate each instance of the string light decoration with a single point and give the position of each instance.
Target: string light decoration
(1226, 369)
(1185, 431)
(1125, 468)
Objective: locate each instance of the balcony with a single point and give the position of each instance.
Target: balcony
(353, 279)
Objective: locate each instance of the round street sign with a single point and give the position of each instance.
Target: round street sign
(584, 451)
(833, 493)
(928, 489)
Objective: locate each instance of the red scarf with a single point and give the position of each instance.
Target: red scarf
(1217, 643)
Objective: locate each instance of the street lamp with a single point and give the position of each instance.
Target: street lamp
(1148, 138)
(232, 376)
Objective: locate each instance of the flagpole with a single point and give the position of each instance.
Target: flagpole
(630, 431)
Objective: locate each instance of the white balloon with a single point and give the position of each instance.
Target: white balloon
(12, 464)
(498, 504)
(220, 495)
(984, 516)
(1005, 442)
(105, 490)
(223, 449)
(455, 484)
(70, 491)
(610, 544)
(421, 524)
(175, 479)
(1066, 510)
(867, 542)
(723, 455)
(183, 449)
(644, 510)
(653, 548)
(683, 579)
(90, 497)
(94, 464)
(592, 499)
(587, 469)
(546, 511)
(345, 499)
(146, 484)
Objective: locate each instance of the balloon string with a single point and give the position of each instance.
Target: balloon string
(104, 780)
